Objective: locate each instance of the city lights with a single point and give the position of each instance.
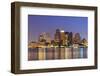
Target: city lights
(61, 38)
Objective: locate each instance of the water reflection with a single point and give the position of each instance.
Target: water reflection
(56, 53)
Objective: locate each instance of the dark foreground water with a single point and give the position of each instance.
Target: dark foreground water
(56, 53)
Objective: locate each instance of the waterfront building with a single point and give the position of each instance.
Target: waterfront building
(57, 37)
(63, 37)
(84, 42)
(77, 38)
(70, 38)
(32, 45)
(45, 37)
(66, 39)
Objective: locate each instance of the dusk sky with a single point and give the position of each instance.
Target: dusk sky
(38, 24)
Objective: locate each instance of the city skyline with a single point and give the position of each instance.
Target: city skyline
(38, 24)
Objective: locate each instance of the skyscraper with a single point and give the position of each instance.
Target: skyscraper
(77, 38)
(66, 35)
(70, 38)
(57, 36)
(63, 37)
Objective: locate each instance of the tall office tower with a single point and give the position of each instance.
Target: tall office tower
(63, 37)
(62, 49)
(70, 38)
(57, 36)
(66, 35)
(77, 39)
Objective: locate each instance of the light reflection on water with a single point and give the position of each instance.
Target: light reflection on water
(56, 53)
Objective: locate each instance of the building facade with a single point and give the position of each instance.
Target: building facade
(45, 37)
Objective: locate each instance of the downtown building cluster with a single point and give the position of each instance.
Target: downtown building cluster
(64, 45)
(61, 39)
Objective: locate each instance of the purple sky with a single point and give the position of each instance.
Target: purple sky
(42, 23)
